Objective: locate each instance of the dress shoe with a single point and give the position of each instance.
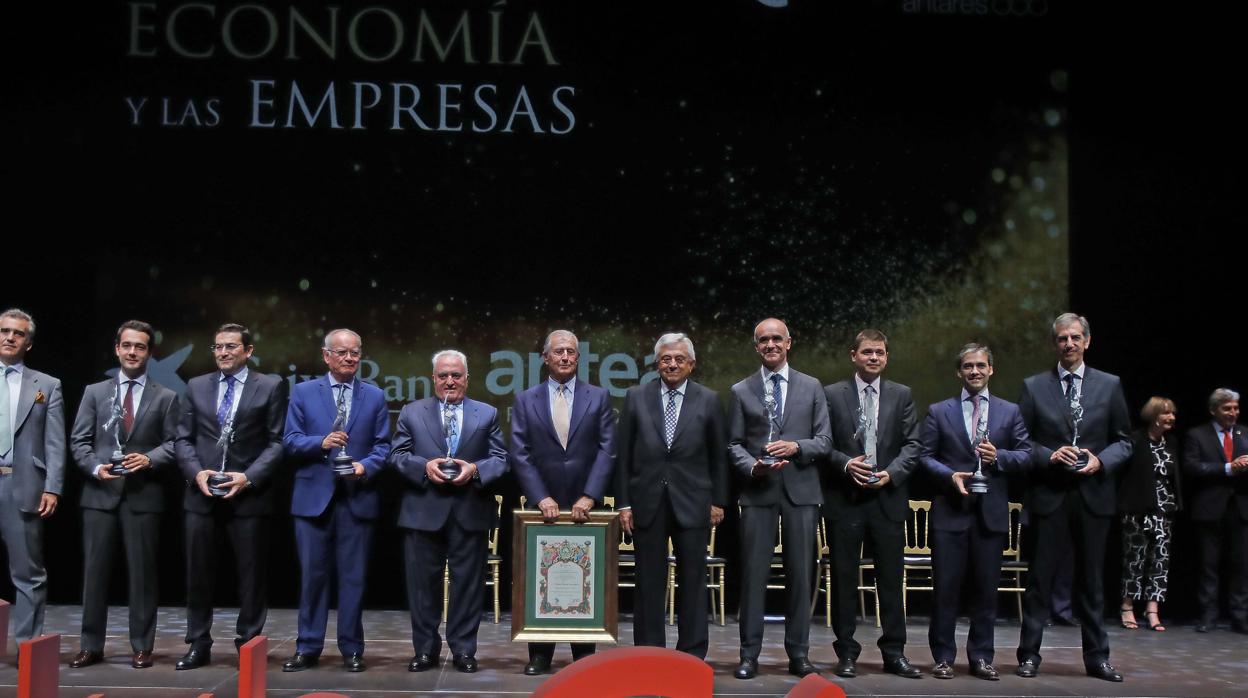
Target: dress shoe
(1105, 671)
(903, 668)
(984, 670)
(942, 670)
(465, 663)
(422, 662)
(846, 668)
(301, 661)
(142, 659)
(1027, 669)
(86, 658)
(801, 666)
(353, 662)
(193, 659)
(747, 669)
(537, 666)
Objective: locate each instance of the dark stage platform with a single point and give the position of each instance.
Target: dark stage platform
(1179, 662)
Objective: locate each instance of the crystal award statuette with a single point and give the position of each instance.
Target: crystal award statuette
(116, 418)
(218, 482)
(1076, 420)
(769, 401)
(343, 464)
(979, 481)
(450, 429)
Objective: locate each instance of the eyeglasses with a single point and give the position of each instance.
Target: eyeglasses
(230, 347)
(344, 353)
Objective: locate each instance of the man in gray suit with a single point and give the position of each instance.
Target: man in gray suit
(32, 467)
(875, 448)
(145, 416)
(778, 436)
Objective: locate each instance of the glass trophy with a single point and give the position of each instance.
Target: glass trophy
(1076, 420)
(218, 482)
(450, 429)
(769, 401)
(113, 426)
(343, 463)
(868, 455)
(979, 481)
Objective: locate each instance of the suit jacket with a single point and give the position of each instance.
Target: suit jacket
(947, 448)
(1137, 488)
(155, 427)
(419, 437)
(1105, 431)
(255, 451)
(309, 417)
(693, 471)
(543, 466)
(896, 444)
(805, 421)
(1204, 463)
(38, 454)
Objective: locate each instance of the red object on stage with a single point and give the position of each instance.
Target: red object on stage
(815, 686)
(253, 658)
(38, 667)
(632, 671)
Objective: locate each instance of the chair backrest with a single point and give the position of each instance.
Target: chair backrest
(498, 509)
(710, 545)
(916, 528)
(1014, 546)
(626, 541)
(524, 501)
(821, 538)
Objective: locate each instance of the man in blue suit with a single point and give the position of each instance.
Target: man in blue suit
(334, 514)
(1079, 427)
(563, 451)
(448, 449)
(974, 431)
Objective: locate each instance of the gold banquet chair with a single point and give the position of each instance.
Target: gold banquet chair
(825, 568)
(716, 576)
(916, 569)
(493, 562)
(1013, 566)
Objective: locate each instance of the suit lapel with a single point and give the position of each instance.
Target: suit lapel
(850, 396)
(543, 410)
(471, 419)
(788, 401)
(687, 407)
(151, 393)
(651, 396)
(1059, 400)
(433, 421)
(580, 403)
(25, 399)
(250, 389)
(208, 398)
(755, 385)
(356, 396)
(883, 417)
(954, 423)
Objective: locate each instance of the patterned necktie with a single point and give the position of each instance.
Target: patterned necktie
(669, 418)
(778, 394)
(227, 401)
(1227, 447)
(127, 407)
(6, 430)
(341, 403)
(975, 399)
(1072, 392)
(868, 412)
(562, 414)
(452, 430)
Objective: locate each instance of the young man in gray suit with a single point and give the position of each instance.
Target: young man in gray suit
(32, 467)
(142, 415)
(778, 438)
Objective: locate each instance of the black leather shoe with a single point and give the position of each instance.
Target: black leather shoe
(422, 662)
(86, 658)
(142, 659)
(984, 670)
(1106, 672)
(747, 669)
(801, 666)
(942, 671)
(301, 661)
(193, 659)
(1027, 669)
(465, 663)
(903, 668)
(846, 668)
(353, 663)
(537, 666)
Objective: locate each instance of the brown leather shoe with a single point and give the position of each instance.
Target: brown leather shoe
(86, 658)
(142, 659)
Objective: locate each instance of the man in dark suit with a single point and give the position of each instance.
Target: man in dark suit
(563, 450)
(1079, 426)
(141, 416)
(1215, 461)
(777, 440)
(252, 405)
(875, 448)
(981, 432)
(334, 514)
(671, 480)
(449, 449)
(32, 468)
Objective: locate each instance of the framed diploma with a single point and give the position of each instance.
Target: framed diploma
(564, 578)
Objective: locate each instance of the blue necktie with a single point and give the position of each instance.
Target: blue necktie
(227, 401)
(6, 431)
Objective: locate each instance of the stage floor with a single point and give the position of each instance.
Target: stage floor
(1179, 662)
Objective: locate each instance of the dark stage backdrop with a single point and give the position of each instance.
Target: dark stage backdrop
(475, 174)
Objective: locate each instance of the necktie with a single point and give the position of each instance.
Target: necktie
(342, 403)
(975, 399)
(227, 401)
(452, 430)
(6, 430)
(562, 414)
(127, 407)
(669, 418)
(778, 394)
(868, 412)
(1072, 392)
(1227, 447)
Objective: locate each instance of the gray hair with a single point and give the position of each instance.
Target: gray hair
(451, 352)
(558, 333)
(675, 338)
(1067, 319)
(331, 333)
(21, 315)
(1222, 395)
(972, 348)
